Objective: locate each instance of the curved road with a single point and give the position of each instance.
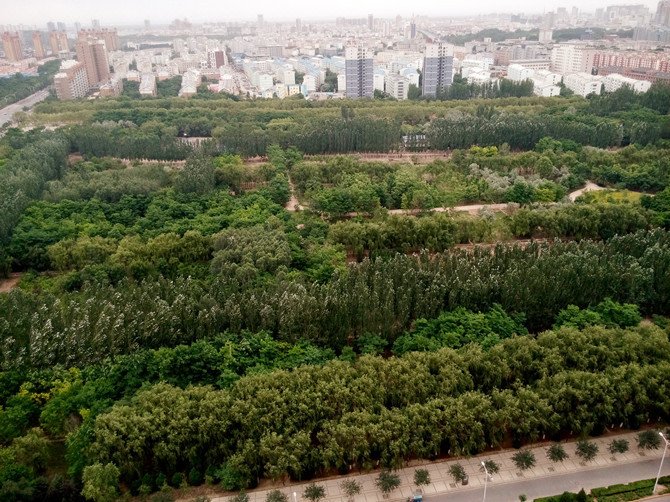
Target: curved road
(8, 111)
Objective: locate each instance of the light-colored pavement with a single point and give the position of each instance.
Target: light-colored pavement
(8, 111)
(545, 478)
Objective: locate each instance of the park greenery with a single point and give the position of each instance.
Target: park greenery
(18, 86)
(166, 305)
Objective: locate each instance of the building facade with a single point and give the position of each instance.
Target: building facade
(359, 72)
(71, 81)
(38, 45)
(438, 68)
(92, 53)
(13, 46)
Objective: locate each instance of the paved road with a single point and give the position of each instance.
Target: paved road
(8, 112)
(557, 484)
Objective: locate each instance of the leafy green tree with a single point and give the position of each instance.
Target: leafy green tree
(556, 453)
(314, 492)
(101, 482)
(387, 481)
(648, 440)
(524, 459)
(198, 175)
(586, 450)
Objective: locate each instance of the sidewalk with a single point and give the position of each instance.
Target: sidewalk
(442, 483)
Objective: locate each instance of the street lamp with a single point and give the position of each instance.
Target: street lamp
(662, 459)
(486, 480)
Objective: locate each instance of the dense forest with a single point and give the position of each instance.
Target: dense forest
(271, 304)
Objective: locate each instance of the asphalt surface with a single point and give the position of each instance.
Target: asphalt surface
(8, 111)
(557, 484)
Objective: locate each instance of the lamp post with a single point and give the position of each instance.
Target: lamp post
(295, 497)
(665, 449)
(486, 480)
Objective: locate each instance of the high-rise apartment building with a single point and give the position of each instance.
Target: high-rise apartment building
(260, 21)
(359, 72)
(438, 68)
(298, 25)
(92, 53)
(663, 13)
(109, 35)
(371, 22)
(71, 81)
(13, 46)
(568, 58)
(58, 42)
(38, 45)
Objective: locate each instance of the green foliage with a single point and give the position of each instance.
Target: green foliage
(457, 472)
(491, 466)
(195, 477)
(606, 313)
(618, 446)
(242, 496)
(648, 440)
(197, 176)
(586, 450)
(524, 459)
(314, 492)
(387, 482)
(18, 86)
(460, 327)
(178, 480)
(350, 488)
(421, 477)
(556, 453)
(101, 482)
(276, 496)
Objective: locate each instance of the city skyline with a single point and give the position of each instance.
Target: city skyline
(127, 12)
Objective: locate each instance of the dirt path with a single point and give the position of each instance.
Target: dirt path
(6, 285)
(293, 203)
(590, 187)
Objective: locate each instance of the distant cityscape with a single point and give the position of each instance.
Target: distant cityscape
(401, 58)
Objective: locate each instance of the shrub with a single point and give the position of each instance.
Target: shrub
(618, 446)
(586, 450)
(524, 459)
(458, 473)
(161, 480)
(314, 492)
(194, 477)
(240, 497)
(648, 440)
(556, 453)
(276, 496)
(387, 482)
(350, 487)
(491, 466)
(421, 477)
(178, 480)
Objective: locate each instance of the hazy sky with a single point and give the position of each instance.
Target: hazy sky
(110, 12)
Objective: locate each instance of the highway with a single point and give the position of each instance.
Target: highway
(557, 484)
(8, 112)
